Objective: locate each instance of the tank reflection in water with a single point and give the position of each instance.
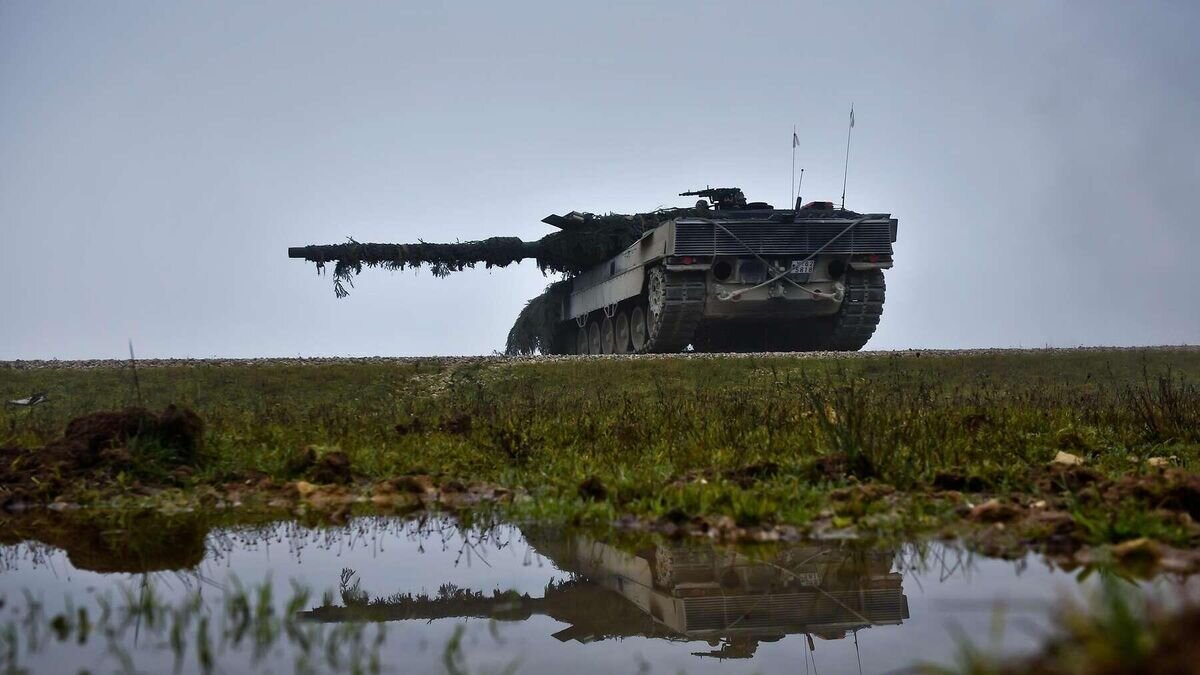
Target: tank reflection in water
(732, 600)
(433, 596)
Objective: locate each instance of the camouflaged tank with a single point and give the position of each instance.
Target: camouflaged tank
(724, 275)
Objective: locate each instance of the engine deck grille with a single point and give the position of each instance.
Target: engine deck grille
(770, 238)
(874, 606)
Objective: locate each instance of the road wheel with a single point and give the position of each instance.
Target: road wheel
(621, 328)
(581, 341)
(607, 338)
(593, 337)
(637, 329)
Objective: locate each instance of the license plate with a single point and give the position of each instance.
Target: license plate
(803, 266)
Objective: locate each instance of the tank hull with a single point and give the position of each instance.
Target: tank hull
(795, 281)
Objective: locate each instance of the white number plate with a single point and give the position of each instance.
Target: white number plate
(803, 266)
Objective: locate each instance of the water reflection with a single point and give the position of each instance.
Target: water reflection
(731, 599)
(540, 599)
(133, 542)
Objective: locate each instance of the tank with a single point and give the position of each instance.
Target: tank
(723, 275)
(669, 590)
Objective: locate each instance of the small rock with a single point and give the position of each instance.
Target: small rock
(1141, 551)
(993, 511)
(415, 484)
(1066, 459)
(1058, 522)
(305, 488)
(724, 524)
(383, 499)
(329, 497)
(765, 535)
(1158, 462)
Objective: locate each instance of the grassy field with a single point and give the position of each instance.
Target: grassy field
(883, 443)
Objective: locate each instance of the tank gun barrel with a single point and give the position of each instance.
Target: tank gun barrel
(583, 240)
(498, 251)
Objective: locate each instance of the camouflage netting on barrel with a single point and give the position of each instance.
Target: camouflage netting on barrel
(442, 259)
(584, 240)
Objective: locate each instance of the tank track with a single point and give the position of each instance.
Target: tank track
(682, 309)
(855, 323)
(846, 331)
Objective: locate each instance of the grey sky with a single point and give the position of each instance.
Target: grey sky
(157, 158)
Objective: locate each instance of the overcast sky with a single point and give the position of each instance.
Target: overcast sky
(158, 158)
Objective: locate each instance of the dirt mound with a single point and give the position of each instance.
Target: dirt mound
(1172, 489)
(100, 444)
(333, 468)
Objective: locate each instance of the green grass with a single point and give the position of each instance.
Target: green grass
(677, 436)
(1117, 629)
(242, 626)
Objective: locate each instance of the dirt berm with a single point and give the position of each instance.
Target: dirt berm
(99, 446)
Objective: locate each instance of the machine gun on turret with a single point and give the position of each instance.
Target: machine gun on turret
(724, 199)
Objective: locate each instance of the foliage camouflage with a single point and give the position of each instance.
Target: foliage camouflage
(584, 240)
(533, 331)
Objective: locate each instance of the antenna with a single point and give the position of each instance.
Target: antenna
(846, 171)
(796, 201)
(792, 185)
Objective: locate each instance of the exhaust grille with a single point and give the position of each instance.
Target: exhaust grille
(767, 238)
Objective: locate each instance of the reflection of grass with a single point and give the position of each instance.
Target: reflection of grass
(675, 436)
(245, 626)
(1116, 631)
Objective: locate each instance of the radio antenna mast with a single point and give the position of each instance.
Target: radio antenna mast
(846, 171)
(792, 185)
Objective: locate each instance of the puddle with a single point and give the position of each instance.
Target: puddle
(433, 596)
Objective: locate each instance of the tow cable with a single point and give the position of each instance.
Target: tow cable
(730, 295)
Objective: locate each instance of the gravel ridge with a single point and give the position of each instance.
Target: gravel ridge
(99, 364)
